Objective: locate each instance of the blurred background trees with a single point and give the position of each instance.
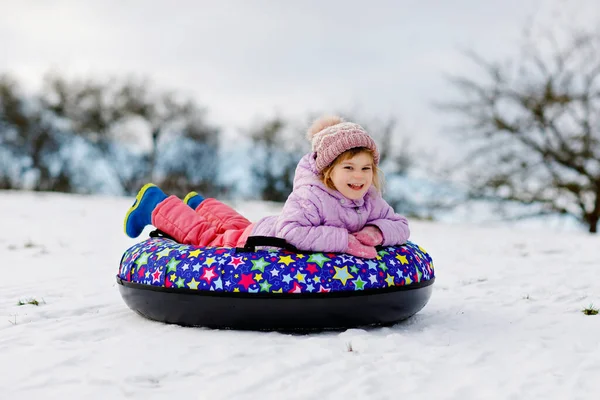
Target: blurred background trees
(82, 136)
(112, 136)
(531, 128)
(529, 136)
(275, 151)
(278, 145)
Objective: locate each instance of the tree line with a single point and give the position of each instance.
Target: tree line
(529, 128)
(82, 136)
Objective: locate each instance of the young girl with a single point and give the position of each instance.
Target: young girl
(335, 205)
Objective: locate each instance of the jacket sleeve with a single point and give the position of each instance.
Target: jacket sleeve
(394, 227)
(301, 225)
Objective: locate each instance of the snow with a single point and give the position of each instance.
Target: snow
(505, 320)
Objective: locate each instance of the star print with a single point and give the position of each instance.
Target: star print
(209, 275)
(195, 253)
(287, 260)
(274, 272)
(209, 261)
(219, 284)
(318, 258)
(323, 290)
(196, 267)
(258, 277)
(163, 253)
(345, 258)
(193, 284)
(156, 276)
(402, 259)
(287, 278)
(359, 283)
(235, 261)
(143, 260)
(259, 264)
(312, 268)
(265, 286)
(300, 277)
(296, 289)
(373, 278)
(172, 265)
(354, 269)
(372, 264)
(180, 282)
(342, 274)
(390, 280)
(310, 287)
(246, 281)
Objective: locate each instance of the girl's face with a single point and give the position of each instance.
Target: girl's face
(354, 176)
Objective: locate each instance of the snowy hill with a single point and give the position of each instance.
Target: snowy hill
(505, 321)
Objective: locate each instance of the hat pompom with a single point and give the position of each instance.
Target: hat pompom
(322, 123)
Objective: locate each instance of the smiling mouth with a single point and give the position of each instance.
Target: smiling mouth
(355, 186)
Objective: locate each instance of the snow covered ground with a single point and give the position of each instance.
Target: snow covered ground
(505, 321)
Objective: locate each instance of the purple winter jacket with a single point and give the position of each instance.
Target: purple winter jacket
(316, 218)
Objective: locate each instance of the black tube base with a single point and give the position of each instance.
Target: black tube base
(285, 312)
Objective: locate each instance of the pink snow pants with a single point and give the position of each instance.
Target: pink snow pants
(211, 224)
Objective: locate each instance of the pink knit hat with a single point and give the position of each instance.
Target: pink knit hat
(331, 136)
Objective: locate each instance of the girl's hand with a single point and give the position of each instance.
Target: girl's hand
(370, 235)
(358, 249)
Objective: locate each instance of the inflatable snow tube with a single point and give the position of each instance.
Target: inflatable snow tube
(269, 285)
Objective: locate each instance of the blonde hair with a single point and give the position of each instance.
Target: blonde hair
(325, 175)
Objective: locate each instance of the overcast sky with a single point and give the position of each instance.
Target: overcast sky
(248, 59)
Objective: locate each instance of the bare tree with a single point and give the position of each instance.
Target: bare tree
(532, 128)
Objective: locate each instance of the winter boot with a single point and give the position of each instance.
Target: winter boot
(140, 213)
(193, 200)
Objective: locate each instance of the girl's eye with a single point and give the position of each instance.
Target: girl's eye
(347, 167)
(366, 168)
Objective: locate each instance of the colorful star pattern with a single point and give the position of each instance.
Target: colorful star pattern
(164, 263)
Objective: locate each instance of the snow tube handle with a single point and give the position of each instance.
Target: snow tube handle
(268, 241)
(251, 243)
